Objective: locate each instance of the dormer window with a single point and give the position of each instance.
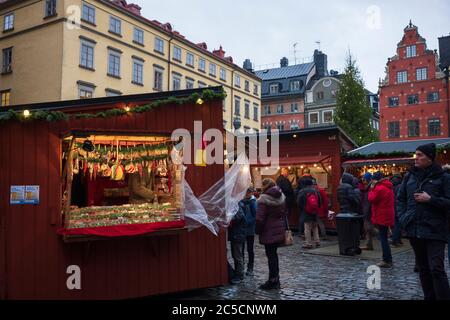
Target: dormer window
(274, 88)
(295, 85)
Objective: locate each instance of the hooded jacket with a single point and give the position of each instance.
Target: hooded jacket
(271, 216)
(381, 197)
(349, 200)
(425, 220)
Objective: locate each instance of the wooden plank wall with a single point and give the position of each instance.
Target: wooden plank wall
(34, 259)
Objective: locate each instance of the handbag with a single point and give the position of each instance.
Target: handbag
(288, 238)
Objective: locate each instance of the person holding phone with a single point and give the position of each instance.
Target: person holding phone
(423, 204)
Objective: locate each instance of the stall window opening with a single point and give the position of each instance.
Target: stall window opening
(120, 180)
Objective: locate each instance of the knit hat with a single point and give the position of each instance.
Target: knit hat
(378, 176)
(367, 176)
(429, 150)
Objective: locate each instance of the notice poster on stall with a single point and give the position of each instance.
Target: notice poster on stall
(32, 195)
(17, 195)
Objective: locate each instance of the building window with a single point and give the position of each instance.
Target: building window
(87, 54)
(177, 54)
(237, 80)
(256, 90)
(190, 83)
(421, 74)
(85, 92)
(237, 107)
(212, 69)
(7, 60)
(295, 126)
(402, 76)
(433, 97)
(434, 127)
(112, 93)
(413, 99)
(5, 97)
(138, 36)
(247, 85)
(320, 95)
(280, 127)
(411, 51)
(138, 72)
(255, 112)
(267, 110)
(224, 124)
(115, 25)
(394, 102)
(158, 78)
(176, 81)
(50, 8)
(327, 116)
(223, 74)
(295, 85)
(314, 118)
(113, 63)
(8, 22)
(247, 110)
(202, 65)
(394, 129)
(88, 13)
(413, 128)
(190, 59)
(202, 85)
(280, 109)
(274, 88)
(159, 45)
(294, 107)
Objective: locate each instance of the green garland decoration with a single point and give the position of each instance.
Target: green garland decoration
(128, 150)
(51, 116)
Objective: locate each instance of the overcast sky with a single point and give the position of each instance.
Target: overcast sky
(264, 31)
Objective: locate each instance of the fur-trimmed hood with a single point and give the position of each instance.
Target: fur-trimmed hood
(273, 197)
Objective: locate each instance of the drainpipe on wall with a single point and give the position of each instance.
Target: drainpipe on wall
(169, 63)
(232, 101)
(447, 71)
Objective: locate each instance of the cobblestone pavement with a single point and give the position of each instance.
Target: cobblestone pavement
(313, 277)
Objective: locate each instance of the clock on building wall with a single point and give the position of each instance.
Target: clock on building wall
(326, 83)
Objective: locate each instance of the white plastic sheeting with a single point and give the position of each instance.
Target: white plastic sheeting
(216, 207)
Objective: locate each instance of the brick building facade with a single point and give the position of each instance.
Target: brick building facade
(414, 94)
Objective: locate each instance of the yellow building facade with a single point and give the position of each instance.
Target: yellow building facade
(70, 49)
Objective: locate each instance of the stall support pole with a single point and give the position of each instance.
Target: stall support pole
(68, 176)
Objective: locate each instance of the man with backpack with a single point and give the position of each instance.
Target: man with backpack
(310, 203)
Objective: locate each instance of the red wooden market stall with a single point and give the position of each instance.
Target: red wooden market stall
(313, 151)
(37, 246)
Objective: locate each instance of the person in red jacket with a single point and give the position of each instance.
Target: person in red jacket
(323, 213)
(381, 198)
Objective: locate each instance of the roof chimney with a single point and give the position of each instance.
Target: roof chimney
(321, 61)
(220, 53)
(248, 65)
(284, 62)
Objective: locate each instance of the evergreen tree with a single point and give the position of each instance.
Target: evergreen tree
(353, 112)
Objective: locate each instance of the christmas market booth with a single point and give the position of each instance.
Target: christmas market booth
(92, 203)
(312, 152)
(391, 157)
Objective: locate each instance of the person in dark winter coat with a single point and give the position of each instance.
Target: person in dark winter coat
(271, 226)
(349, 200)
(381, 198)
(237, 233)
(396, 181)
(249, 205)
(446, 168)
(366, 208)
(302, 182)
(423, 205)
(286, 186)
(311, 225)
